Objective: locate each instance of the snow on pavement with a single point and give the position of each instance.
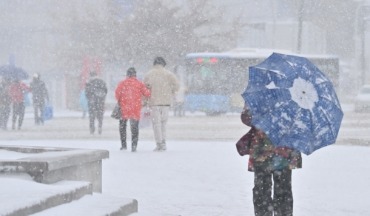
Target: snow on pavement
(210, 178)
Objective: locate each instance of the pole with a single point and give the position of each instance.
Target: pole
(273, 2)
(300, 26)
(363, 61)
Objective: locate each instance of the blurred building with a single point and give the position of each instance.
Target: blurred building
(36, 32)
(274, 24)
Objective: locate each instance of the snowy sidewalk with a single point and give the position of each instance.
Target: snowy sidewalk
(202, 174)
(22, 194)
(209, 178)
(69, 125)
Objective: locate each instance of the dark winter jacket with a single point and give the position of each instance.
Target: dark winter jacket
(39, 92)
(96, 91)
(262, 152)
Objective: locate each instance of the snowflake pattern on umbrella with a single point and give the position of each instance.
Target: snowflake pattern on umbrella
(293, 102)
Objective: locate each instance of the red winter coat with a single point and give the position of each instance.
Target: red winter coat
(129, 93)
(17, 91)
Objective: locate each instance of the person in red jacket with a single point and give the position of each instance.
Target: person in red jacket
(129, 94)
(17, 89)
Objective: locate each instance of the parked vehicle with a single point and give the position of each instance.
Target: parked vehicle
(362, 100)
(215, 80)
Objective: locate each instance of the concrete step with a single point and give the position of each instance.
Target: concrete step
(152, 214)
(94, 205)
(24, 197)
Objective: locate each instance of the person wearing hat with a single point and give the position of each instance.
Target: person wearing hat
(96, 90)
(40, 97)
(129, 94)
(163, 85)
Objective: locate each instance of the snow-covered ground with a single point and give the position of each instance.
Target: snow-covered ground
(201, 173)
(210, 178)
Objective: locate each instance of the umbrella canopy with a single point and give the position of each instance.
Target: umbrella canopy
(12, 72)
(293, 102)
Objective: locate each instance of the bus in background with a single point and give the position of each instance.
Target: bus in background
(215, 81)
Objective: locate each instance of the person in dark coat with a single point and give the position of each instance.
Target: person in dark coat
(269, 163)
(40, 97)
(129, 94)
(96, 91)
(17, 89)
(83, 103)
(5, 103)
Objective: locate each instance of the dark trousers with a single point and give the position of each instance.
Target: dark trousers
(4, 115)
(96, 111)
(39, 113)
(134, 132)
(281, 203)
(18, 112)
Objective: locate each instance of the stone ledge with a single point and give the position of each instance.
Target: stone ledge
(38, 197)
(50, 165)
(152, 214)
(353, 141)
(95, 205)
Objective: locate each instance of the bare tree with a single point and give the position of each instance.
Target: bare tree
(154, 27)
(85, 28)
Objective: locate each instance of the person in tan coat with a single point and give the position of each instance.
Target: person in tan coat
(163, 85)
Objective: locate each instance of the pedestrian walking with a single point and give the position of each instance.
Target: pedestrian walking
(5, 103)
(40, 98)
(17, 90)
(83, 103)
(96, 91)
(129, 94)
(163, 85)
(269, 163)
(178, 108)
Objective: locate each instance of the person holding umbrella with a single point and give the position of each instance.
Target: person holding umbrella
(4, 103)
(269, 163)
(292, 108)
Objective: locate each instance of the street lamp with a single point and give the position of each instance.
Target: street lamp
(362, 16)
(363, 49)
(300, 26)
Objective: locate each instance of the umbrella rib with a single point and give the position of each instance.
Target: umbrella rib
(326, 98)
(295, 116)
(308, 117)
(328, 120)
(271, 70)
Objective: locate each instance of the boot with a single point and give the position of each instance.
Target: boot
(158, 148)
(163, 146)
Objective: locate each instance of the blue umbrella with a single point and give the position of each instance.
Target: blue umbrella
(293, 102)
(12, 72)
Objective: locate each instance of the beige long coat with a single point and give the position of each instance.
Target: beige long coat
(163, 85)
